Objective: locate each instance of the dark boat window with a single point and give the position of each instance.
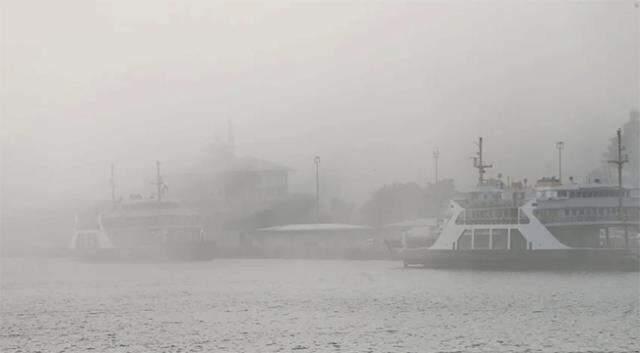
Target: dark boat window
(499, 239)
(464, 241)
(517, 240)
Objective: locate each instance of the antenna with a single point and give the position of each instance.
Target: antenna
(478, 163)
(560, 147)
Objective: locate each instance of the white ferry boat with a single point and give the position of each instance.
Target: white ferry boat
(548, 226)
(141, 230)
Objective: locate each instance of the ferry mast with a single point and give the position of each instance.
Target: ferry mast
(620, 161)
(436, 155)
(478, 163)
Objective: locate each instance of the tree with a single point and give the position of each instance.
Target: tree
(437, 196)
(405, 201)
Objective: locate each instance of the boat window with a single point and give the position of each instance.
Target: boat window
(499, 239)
(87, 241)
(464, 241)
(482, 239)
(517, 240)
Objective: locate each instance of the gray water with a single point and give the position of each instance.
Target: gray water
(310, 306)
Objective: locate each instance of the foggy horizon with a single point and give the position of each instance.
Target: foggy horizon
(372, 90)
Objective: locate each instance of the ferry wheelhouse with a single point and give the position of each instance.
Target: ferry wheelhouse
(548, 226)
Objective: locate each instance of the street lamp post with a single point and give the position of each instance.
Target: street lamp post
(316, 161)
(436, 155)
(560, 147)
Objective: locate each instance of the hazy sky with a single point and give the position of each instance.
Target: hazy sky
(371, 87)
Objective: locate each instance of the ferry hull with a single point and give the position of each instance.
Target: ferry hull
(523, 260)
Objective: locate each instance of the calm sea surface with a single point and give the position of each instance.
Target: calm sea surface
(310, 306)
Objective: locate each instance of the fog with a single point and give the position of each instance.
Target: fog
(371, 88)
(275, 176)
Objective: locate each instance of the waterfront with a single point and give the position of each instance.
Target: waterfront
(57, 305)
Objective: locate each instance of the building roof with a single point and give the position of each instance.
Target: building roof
(321, 227)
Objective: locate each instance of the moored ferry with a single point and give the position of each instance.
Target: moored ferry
(141, 229)
(547, 226)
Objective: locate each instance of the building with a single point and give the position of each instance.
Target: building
(254, 183)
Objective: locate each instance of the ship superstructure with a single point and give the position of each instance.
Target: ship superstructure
(591, 215)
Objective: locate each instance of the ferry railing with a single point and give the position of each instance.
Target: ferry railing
(510, 220)
(587, 218)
